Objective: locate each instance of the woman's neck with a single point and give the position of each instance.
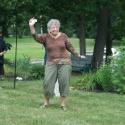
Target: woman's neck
(56, 36)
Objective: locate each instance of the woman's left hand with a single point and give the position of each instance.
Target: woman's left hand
(82, 57)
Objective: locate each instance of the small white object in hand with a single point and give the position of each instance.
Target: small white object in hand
(32, 21)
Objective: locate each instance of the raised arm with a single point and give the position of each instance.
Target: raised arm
(32, 21)
(40, 38)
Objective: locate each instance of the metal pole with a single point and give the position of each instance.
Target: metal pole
(15, 54)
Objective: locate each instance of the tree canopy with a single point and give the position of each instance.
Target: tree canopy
(81, 17)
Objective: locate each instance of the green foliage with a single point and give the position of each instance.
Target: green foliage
(8, 46)
(29, 71)
(23, 66)
(103, 77)
(37, 71)
(25, 69)
(118, 70)
(6, 70)
(86, 82)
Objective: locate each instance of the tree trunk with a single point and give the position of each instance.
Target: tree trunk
(82, 34)
(101, 37)
(108, 42)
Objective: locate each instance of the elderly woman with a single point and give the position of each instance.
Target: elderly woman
(58, 63)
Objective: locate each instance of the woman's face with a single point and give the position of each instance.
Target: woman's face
(54, 30)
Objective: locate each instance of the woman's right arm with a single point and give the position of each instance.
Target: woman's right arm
(38, 37)
(31, 25)
(32, 29)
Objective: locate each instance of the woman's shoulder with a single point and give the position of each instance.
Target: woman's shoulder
(43, 36)
(47, 35)
(64, 35)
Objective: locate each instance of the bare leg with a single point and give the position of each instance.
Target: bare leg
(46, 101)
(63, 100)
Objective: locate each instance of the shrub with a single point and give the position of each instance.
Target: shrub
(6, 70)
(37, 71)
(103, 79)
(86, 82)
(118, 70)
(25, 69)
(23, 66)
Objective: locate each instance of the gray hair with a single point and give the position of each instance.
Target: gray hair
(53, 21)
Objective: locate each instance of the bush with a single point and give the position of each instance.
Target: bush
(103, 79)
(37, 71)
(27, 70)
(6, 70)
(23, 67)
(118, 70)
(86, 82)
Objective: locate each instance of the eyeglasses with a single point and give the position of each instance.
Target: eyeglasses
(54, 28)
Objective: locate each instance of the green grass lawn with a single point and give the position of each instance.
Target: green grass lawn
(27, 46)
(21, 106)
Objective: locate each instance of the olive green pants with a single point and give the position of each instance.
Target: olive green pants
(60, 71)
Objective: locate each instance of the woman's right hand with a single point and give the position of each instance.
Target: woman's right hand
(32, 21)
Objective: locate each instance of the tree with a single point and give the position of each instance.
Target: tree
(20, 11)
(101, 37)
(77, 16)
(74, 13)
